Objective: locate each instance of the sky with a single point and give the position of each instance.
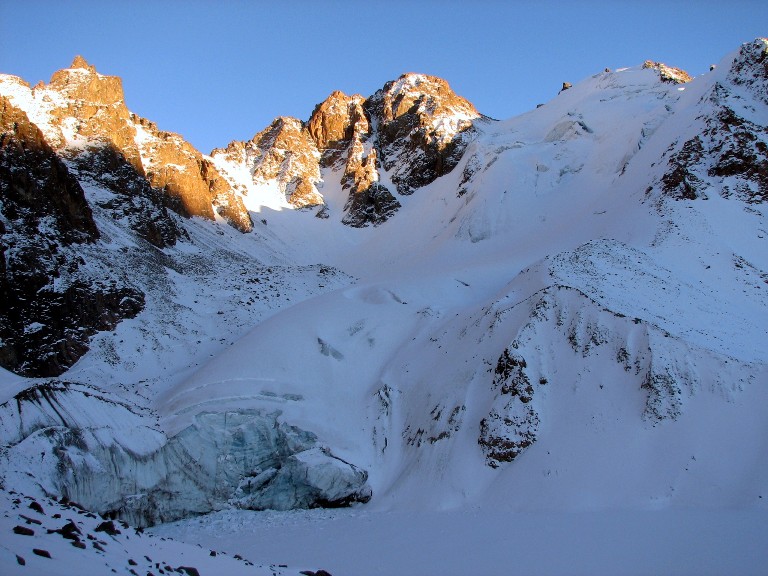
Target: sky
(221, 71)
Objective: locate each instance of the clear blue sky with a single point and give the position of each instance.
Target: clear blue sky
(218, 71)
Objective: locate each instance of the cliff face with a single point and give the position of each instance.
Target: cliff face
(423, 129)
(344, 131)
(191, 182)
(729, 153)
(52, 300)
(81, 109)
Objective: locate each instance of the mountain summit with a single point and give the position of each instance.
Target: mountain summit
(406, 135)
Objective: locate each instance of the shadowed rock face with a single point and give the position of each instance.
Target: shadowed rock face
(134, 199)
(730, 154)
(52, 303)
(36, 183)
(750, 69)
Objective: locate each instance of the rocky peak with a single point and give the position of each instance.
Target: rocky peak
(92, 105)
(335, 122)
(80, 62)
(81, 109)
(416, 128)
(82, 82)
(729, 154)
(284, 152)
(668, 73)
(423, 128)
(421, 95)
(750, 68)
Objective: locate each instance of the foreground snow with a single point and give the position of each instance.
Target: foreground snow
(45, 537)
(491, 542)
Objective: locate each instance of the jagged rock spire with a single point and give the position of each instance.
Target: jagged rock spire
(80, 62)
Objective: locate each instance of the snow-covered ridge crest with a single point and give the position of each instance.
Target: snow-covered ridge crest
(750, 68)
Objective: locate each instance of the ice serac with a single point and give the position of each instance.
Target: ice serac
(52, 301)
(96, 449)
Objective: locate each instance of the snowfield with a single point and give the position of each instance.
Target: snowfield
(545, 362)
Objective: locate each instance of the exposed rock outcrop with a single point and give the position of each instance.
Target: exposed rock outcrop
(414, 129)
(730, 154)
(750, 69)
(134, 199)
(336, 122)
(285, 153)
(91, 105)
(512, 424)
(80, 109)
(423, 128)
(343, 131)
(52, 301)
(192, 183)
(668, 73)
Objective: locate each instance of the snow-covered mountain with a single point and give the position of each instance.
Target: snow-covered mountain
(399, 301)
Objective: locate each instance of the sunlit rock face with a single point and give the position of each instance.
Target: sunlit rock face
(668, 73)
(423, 128)
(402, 138)
(81, 109)
(191, 182)
(284, 153)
